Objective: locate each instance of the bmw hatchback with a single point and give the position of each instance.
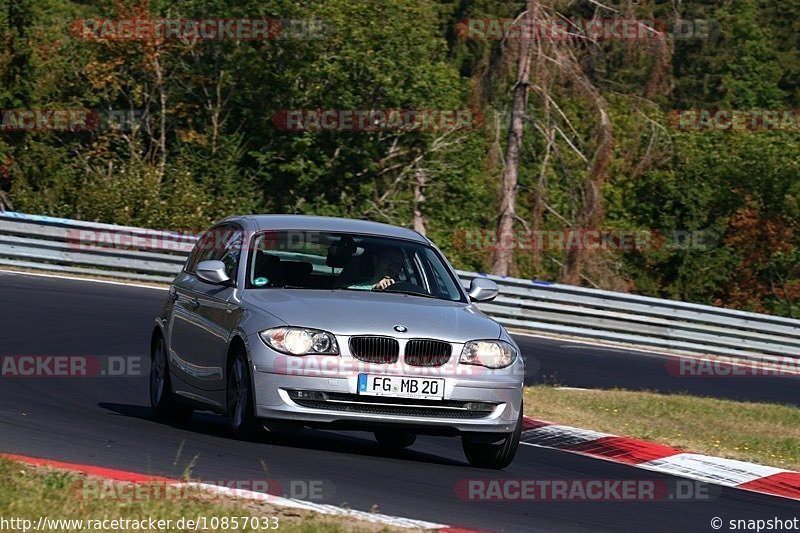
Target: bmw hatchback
(285, 321)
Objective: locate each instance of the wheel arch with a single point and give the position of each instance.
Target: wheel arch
(158, 332)
(236, 345)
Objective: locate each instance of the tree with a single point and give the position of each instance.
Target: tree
(503, 255)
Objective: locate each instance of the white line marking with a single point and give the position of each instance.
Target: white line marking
(596, 344)
(732, 360)
(729, 472)
(395, 521)
(558, 436)
(77, 278)
(606, 348)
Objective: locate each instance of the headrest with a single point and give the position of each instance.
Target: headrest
(340, 253)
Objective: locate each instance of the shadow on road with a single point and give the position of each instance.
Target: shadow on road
(352, 443)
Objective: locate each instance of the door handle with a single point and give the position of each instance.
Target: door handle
(194, 303)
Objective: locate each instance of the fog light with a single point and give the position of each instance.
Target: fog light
(307, 395)
(479, 406)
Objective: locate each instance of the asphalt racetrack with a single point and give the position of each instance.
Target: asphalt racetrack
(106, 421)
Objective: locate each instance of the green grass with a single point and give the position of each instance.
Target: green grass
(757, 432)
(30, 492)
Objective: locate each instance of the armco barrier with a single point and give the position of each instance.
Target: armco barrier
(73, 246)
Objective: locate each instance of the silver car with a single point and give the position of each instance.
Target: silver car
(284, 321)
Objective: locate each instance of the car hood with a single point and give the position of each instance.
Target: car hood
(373, 313)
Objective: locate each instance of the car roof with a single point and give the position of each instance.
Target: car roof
(318, 223)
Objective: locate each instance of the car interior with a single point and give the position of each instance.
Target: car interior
(346, 263)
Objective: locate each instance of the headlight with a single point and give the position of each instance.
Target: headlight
(491, 354)
(300, 341)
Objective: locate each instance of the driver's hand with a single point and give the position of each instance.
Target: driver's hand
(382, 284)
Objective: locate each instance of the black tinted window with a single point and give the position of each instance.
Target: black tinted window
(336, 261)
(221, 243)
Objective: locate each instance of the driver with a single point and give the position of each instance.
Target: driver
(387, 262)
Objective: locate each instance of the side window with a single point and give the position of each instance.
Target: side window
(441, 283)
(221, 243)
(232, 251)
(201, 250)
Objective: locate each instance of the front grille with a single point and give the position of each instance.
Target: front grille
(427, 352)
(361, 398)
(354, 403)
(375, 349)
(391, 410)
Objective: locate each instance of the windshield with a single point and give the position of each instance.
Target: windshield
(347, 261)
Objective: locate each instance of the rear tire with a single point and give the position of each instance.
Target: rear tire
(489, 455)
(162, 399)
(395, 440)
(241, 417)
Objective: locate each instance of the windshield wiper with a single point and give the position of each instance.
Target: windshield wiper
(412, 293)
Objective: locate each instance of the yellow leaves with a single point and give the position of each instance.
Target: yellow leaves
(104, 74)
(192, 136)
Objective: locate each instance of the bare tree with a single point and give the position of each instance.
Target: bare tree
(557, 64)
(420, 223)
(591, 213)
(419, 169)
(162, 100)
(5, 202)
(504, 255)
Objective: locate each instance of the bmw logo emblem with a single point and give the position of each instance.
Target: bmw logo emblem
(400, 329)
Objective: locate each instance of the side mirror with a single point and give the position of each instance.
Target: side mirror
(483, 290)
(212, 272)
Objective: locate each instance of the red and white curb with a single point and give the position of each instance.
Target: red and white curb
(331, 510)
(661, 458)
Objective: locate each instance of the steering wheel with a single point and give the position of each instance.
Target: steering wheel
(406, 286)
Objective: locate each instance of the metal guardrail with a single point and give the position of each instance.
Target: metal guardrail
(73, 246)
(640, 320)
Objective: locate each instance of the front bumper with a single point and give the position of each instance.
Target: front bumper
(476, 399)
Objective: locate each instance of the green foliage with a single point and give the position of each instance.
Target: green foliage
(213, 148)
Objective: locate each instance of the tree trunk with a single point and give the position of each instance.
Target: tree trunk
(504, 253)
(5, 202)
(592, 208)
(419, 200)
(162, 138)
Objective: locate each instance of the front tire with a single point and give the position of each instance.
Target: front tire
(162, 399)
(241, 418)
(395, 440)
(491, 455)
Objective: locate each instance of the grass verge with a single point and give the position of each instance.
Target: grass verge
(762, 433)
(28, 492)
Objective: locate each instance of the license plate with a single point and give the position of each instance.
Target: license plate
(401, 387)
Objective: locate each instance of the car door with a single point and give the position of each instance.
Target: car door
(204, 314)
